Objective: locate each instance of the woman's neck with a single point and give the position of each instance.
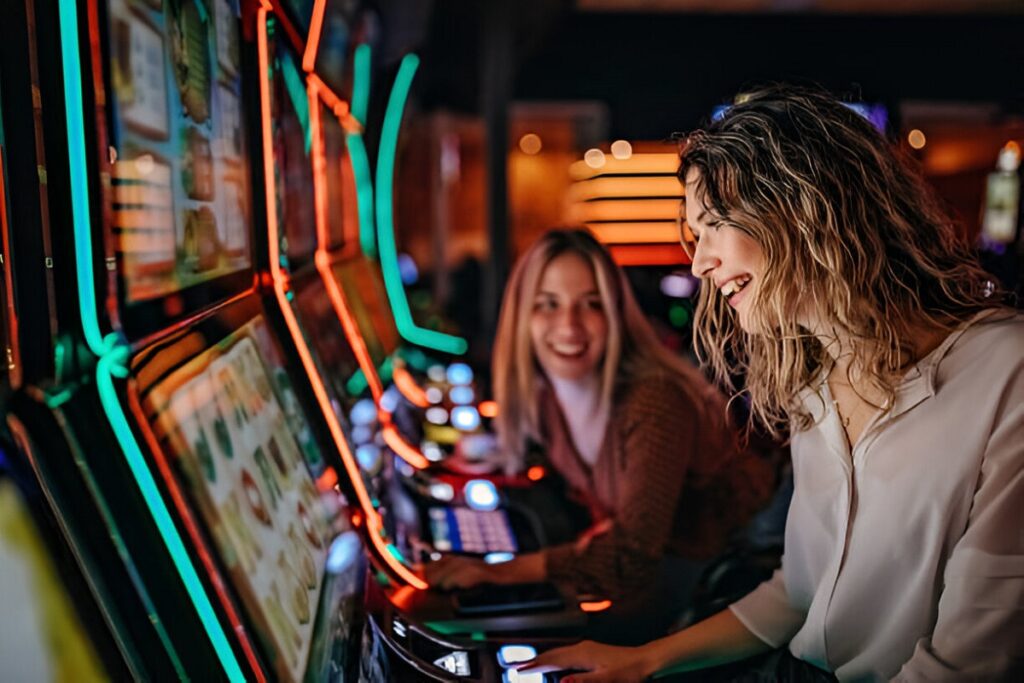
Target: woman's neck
(585, 416)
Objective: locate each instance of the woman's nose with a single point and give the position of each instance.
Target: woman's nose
(704, 260)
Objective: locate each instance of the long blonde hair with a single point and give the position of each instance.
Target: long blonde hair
(632, 351)
(849, 232)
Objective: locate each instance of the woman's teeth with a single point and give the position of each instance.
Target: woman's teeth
(568, 349)
(733, 286)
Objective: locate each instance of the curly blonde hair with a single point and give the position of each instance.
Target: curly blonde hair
(850, 234)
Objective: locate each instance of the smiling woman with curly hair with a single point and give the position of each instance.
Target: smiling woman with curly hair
(836, 286)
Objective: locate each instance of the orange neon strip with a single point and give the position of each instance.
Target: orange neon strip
(403, 448)
(649, 254)
(409, 388)
(406, 451)
(373, 521)
(598, 606)
(184, 512)
(316, 23)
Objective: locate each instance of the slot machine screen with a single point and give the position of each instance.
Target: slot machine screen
(334, 356)
(363, 285)
(241, 452)
(180, 207)
(342, 208)
(292, 134)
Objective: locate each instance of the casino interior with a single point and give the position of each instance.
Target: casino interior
(253, 253)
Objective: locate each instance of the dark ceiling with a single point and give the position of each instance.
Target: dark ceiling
(661, 73)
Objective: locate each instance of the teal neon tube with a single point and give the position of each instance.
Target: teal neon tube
(411, 332)
(361, 83)
(113, 355)
(364, 193)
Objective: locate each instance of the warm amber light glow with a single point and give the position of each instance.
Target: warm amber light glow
(530, 143)
(596, 606)
(488, 409)
(651, 164)
(604, 187)
(916, 139)
(655, 232)
(535, 473)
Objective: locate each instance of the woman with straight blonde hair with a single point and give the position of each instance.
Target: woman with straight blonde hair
(579, 373)
(837, 286)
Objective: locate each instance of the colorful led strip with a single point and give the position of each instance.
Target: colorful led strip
(411, 332)
(112, 353)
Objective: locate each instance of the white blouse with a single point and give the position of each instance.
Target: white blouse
(904, 559)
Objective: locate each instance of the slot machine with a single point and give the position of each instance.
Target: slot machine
(186, 407)
(405, 510)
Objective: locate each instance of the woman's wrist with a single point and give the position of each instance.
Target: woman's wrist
(528, 568)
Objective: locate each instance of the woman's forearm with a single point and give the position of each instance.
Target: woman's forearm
(527, 568)
(718, 639)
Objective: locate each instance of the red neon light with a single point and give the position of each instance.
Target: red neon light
(373, 521)
(327, 481)
(409, 388)
(14, 362)
(667, 254)
(184, 512)
(596, 606)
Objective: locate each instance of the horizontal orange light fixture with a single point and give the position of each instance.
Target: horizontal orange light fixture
(488, 409)
(626, 186)
(595, 606)
(636, 232)
(652, 164)
(648, 254)
(626, 210)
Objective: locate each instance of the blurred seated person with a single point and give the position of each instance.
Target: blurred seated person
(633, 429)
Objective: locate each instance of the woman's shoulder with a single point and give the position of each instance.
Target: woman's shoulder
(661, 392)
(994, 336)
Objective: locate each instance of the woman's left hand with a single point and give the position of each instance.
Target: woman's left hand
(452, 572)
(598, 663)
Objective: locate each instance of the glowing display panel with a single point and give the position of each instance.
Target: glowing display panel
(293, 170)
(363, 285)
(241, 450)
(180, 207)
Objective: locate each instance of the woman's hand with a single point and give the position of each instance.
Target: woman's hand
(603, 663)
(452, 572)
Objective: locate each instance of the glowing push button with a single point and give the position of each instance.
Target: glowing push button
(459, 374)
(513, 676)
(465, 418)
(481, 494)
(515, 654)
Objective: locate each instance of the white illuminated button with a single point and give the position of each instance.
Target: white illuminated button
(457, 663)
(442, 490)
(364, 412)
(515, 654)
(368, 456)
(362, 434)
(465, 418)
(459, 374)
(513, 676)
(390, 399)
(481, 494)
(343, 553)
(431, 451)
(434, 395)
(461, 395)
(498, 558)
(436, 373)
(437, 415)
